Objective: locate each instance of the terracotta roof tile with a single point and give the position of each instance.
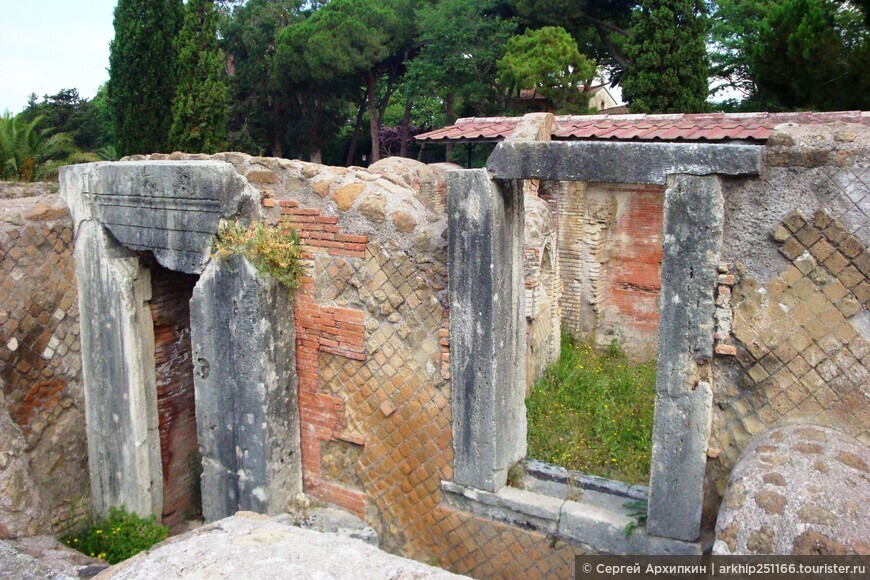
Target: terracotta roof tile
(676, 127)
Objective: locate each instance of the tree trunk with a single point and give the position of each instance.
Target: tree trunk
(315, 156)
(382, 107)
(373, 117)
(451, 117)
(406, 129)
(277, 148)
(351, 152)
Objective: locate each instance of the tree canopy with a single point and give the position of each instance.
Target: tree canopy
(669, 62)
(345, 81)
(142, 73)
(601, 27)
(199, 109)
(547, 61)
(460, 43)
(793, 54)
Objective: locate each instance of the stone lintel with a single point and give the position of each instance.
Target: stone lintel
(487, 327)
(692, 245)
(620, 162)
(243, 339)
(170, 208)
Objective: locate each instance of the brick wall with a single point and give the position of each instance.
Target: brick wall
(320, 329)
(176, 409)
(610, 260)
(373, 366)
(630, 308)
(40, 364)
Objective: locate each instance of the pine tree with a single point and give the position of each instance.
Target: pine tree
(199, 111)
(669, 62)
(141, 73)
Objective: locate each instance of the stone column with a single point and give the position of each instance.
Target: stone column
(487, 327)
(247, 412)
(118, 371)
(693, 226)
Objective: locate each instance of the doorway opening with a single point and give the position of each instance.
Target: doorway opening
(171, 293)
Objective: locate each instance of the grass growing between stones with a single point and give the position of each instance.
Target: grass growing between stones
(117, 537)
(593, 412)
(272, 252)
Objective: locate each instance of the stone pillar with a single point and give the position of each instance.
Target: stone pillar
(487, 327)
(118, 372)
(692, 245)
(247, 412)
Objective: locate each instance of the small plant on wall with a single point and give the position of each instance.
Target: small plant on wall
(117, 537)
(273, 252)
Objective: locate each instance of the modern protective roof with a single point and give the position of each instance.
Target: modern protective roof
(680, 127)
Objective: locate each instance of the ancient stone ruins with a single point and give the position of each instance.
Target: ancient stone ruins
(140, 369)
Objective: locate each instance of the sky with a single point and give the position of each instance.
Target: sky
(49, 45)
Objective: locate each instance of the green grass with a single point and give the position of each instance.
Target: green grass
(117, 537)
(593, 412)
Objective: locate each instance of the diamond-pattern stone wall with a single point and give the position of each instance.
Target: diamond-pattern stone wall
(801, 356)
(40, 363)
(373, 367)
(798, 240)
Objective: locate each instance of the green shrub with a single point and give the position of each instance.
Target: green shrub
(117, 537)
(273, 252)
(592, 411)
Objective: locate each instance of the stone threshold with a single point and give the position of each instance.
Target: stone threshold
(563, 483)
(582, 510)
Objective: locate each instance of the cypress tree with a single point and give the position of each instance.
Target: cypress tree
(199, 111)
(141, 73)
(669, 62)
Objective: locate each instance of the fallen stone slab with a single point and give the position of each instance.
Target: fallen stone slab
(14, 564)
(249, 545)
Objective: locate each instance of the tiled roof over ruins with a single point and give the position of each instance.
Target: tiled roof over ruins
(680, 127)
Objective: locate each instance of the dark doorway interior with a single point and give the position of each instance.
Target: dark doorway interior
(170, 310)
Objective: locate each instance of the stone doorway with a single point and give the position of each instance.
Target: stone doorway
(188, 360)
(171, 293)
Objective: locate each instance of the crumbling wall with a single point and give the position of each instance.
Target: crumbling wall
(543, 286)
(40, 363)
(610, 253)
(372, 349)
(796, 240)
(373, 364)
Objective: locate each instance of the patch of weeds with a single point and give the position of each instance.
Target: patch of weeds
(117, 537)
(592, 411)
(273, 252)
(637, 510)
(516, 474)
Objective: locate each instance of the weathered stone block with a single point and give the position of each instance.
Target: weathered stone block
(170, 208)
(637, 162)
(247, 414)
(693, 229)
(118, 371)
(487, 328)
